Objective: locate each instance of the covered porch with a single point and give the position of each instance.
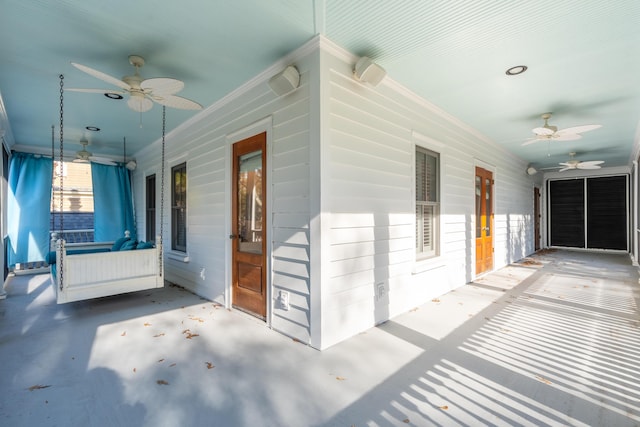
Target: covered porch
(550, 340)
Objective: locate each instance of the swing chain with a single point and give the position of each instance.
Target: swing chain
(61, 177)
(164, 122)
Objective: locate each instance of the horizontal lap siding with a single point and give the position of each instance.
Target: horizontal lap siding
(371, 225)
(370, 180)
(203, 145)
(290, 221)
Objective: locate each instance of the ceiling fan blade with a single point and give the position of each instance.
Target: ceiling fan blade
(594, 164)
(177, 102)
(565, 169)
(102, 76)
(565, 164)
(566, 137)
(78, 160)
(580, 166)
(102, 161)
(162, 86)
(542, 131)
(579, 129)
(73, 89)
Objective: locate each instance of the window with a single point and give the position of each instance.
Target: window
(427, 203)
(77, 199)
(150, 209)
(179, 207)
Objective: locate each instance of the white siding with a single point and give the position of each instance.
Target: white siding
(340, 203)
(204, 144)
(371, 135)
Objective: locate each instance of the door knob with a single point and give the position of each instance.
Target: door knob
(233, 236)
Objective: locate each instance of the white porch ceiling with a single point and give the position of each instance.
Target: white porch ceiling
(583, 58)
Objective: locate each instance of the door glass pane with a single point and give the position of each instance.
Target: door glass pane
(250, 215)
(487, 189)
(478, 207)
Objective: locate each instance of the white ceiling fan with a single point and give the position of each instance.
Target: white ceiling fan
(84, 156)
(573, 163)
(548, 132)
(142, 92)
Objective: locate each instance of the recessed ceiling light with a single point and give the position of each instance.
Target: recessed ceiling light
(111, 95)
(92, 128)
(514, 71)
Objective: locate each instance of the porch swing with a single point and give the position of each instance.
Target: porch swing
(81, 273)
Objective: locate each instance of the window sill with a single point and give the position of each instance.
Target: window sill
(178, 256)
(420, 266)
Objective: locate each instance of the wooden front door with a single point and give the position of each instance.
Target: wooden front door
(249, 284)
(484, 220)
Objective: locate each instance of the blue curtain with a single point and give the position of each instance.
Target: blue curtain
(112, 202)
(28, 208)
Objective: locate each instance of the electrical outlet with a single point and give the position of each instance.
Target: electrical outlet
(381, 291)
(283, 300)
(202, 273)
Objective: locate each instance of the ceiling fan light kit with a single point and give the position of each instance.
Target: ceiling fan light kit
(139, 103)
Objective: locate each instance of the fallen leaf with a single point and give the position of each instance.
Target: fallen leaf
(161, 360)
(147, 324)
(189, 335)
(38, 387)
(544, 380)
(487, 318)
(340, 378)
(172, 365)
(209, 365)
(435, 300)
(159, 335)
(123, 334)
(162, 382)
(444, 408)
(406, 421)
(134, 370)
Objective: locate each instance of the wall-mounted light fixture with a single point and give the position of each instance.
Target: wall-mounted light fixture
(285, 81)
(368, 71)
(531, 170)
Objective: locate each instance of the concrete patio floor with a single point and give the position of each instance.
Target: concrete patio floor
(551, 340)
